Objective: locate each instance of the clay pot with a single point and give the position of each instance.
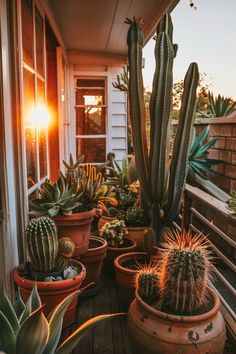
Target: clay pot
(113, 252)
(102, 221)
(52, 293)
(77, 228)
(93, 259)
(125, 277)
(137, 234)
(155, 332)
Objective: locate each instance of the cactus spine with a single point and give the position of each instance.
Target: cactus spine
(184, 271)
(162, 183)
(42, 243)
(147, 283)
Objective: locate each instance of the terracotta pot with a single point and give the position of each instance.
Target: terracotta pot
(113, 252)
(137, 234)
(155, 332)
(76, 227)
(125, 277)
(102, 221)
(52, 293)
(93, 259)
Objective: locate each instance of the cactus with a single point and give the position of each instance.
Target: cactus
(161, 181)
(147, 283)
(184, 268)
(66, 249)
(114, 232)
(42, 243)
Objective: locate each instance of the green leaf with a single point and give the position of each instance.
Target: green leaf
(70, 343)
(35, 299)
(19, 304)
(53, 211)
(33, 334)
(7, 337)
(7, 309)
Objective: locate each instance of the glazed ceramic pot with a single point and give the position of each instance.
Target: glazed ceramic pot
(77, 228)
(155, 332)
(52, 293)
(93, 259)
(113, 252)
(126, 266)
(137, 234)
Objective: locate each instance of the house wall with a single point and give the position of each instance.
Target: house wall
(224, 129)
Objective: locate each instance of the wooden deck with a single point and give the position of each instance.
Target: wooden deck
(111, 336)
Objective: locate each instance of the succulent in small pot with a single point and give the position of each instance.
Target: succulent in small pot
(114, 233)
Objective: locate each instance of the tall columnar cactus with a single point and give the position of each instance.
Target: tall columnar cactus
(42, 243)
(147, 283)
(184, 269)
(162, 181)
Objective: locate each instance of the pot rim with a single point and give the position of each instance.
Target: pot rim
(57, 285)
(82, 215)
(178, 318)
(138, 228)
(99, 239)
(133, 244)
(127, 255)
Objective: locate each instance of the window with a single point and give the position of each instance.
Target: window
(90, 111)
(33, 95)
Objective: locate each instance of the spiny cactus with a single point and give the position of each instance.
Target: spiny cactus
(147, 282)
(184, 269)
(42, 243)
(66, 249)
(161, 181)
(114, 232)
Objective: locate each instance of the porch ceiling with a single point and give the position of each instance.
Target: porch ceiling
(97, 26)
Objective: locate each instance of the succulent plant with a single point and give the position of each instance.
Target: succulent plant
(114, 232)
(162, 182)
(25, 329)
(134, 217)
(231, 202)
(42, 243)
(184, 269)
(219, 106)
(147, 282)
(66, 249)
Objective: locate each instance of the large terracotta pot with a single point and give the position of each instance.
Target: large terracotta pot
(102, 221)
(137, 234)
(93, 259)
(125, 277)
(76, 227)
(155, 332)
(52, 293)
(113, 252)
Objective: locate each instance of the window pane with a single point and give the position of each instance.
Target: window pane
(39, 42)
(29, 95)
(42, 138)
(90, 120)
(94, 149)
(40, 92)
(27, 31)
(90, 83)
(31, 160)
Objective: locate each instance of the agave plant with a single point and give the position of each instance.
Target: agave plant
(25, 329)
(219, 106)
(198, 161)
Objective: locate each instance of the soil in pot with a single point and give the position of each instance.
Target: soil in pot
(113, 252)
(93, 261)
(155, 332)
(126, 267)
(53, 292)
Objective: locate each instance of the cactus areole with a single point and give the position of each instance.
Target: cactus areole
(162, 181)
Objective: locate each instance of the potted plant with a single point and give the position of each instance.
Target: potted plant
(56, 274)
(25, 329)
(184, 316)
(115, 233)
(71, 202)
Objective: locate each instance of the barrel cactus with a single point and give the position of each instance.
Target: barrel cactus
(42, 243)
(66, 248)
(161, 180)
(147, 283)
(184, 269)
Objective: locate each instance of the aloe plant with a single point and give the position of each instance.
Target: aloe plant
(219, 106)
(25, 329)
(162, 183)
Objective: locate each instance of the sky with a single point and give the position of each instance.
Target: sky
(207, 36)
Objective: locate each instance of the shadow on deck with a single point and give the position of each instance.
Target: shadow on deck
(110, 337)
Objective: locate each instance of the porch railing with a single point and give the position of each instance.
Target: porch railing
(202, 212)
